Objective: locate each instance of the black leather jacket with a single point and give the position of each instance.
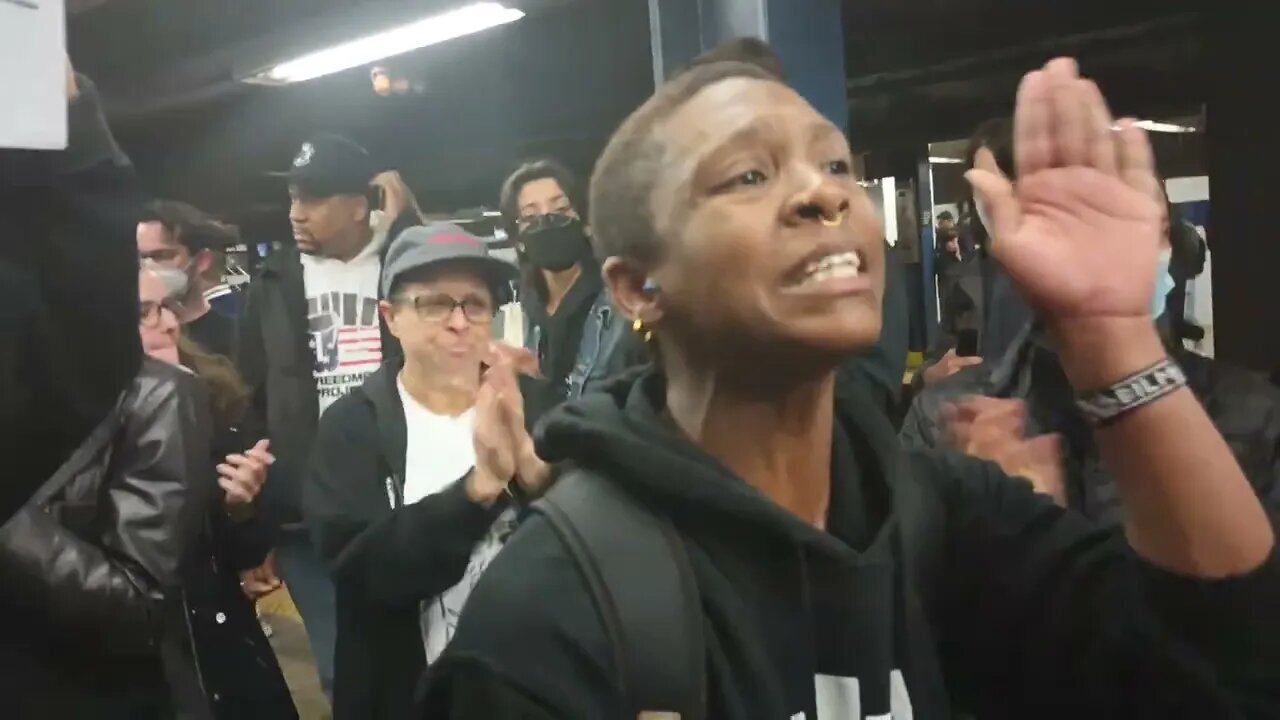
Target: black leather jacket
(91, 575)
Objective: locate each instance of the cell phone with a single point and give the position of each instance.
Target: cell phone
(967, 343)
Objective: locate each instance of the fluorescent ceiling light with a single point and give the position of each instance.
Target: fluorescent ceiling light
(889, 200)
(418, 34)
(492, 213)
(945, 161)
(1160, 127)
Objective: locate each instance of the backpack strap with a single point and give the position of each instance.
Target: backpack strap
(636, 568)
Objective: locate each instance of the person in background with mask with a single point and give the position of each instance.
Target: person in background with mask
(569, 323)
(1020, 412)
(311, 333)
(189, 246)
(1004, 314)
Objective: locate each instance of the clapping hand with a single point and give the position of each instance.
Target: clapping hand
(505, 362)
(1080, 232)
(994, 429)
(948, 365)
(504, 450)
(495, 454)
(242, 476)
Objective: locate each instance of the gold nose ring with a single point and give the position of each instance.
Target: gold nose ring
(838, 219)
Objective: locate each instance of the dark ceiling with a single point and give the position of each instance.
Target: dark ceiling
(557, 82)
(560, 80)
(921, 70)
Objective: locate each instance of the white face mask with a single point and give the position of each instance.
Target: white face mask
(176, 281)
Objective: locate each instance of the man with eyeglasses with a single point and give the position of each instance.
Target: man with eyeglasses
(414, 475)
(188, 248)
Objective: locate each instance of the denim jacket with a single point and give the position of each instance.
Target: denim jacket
(600, 352)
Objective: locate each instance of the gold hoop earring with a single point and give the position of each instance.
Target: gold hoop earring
(834, 221)
(638, 328)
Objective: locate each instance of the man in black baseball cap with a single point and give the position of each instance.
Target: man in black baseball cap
(330, 188)
(310, 333)
(407, 498)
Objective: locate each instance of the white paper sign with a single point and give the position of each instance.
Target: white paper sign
(33, 96)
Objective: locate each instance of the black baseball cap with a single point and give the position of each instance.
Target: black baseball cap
(442, 243)
(328, 165)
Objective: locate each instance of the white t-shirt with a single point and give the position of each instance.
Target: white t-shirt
(342, 315)
(438, 453)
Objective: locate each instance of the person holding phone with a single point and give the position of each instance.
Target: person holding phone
(311, 333)
(408, 492)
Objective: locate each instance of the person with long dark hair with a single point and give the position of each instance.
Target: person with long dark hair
(220, 665)
(817, 570)
(569, 321)
(235, 664)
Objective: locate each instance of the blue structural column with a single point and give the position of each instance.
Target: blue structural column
(806, 34)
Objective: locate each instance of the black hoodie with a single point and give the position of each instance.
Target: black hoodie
(939, 585)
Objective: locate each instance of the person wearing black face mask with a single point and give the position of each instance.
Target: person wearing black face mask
(569, 320)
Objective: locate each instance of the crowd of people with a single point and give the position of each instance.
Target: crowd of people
(650, 470)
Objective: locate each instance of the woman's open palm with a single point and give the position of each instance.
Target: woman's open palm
(1079, 233)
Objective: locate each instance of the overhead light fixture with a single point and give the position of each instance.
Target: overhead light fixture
(417, 34)
(889, 203)
(1151, 126)
(1160, 127)
(944, 161)
(492, 213)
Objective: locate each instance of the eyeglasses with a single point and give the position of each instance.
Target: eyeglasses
(437, 308)
(533, 223)
(150, 313)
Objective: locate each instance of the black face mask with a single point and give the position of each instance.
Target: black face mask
(555, 242)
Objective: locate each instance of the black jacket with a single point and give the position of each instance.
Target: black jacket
(1242, 405)
(92, 576)
(68, 295)
(276, 356)
(939, 580)
(234, 667)
(385, 557)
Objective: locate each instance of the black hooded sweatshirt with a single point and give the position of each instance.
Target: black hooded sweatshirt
(940, 585)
